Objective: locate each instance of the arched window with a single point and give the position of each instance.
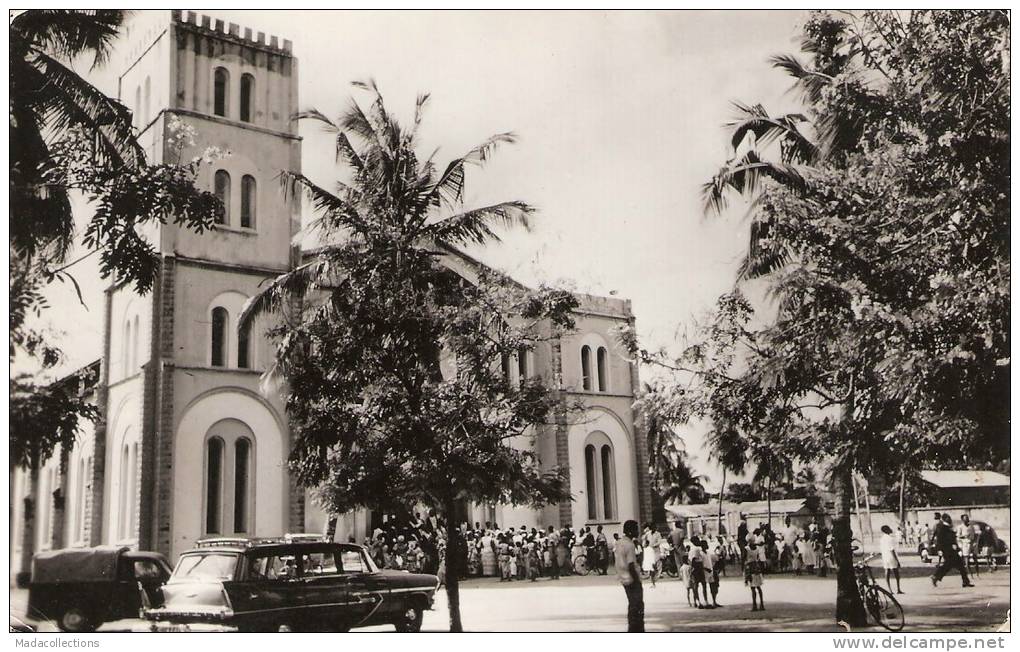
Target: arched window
(248, 198)
(213, 484)
(600, 477)
(603, 371)
(247, 96)
(230, 479)
(146, 103)
(504, 360)
(218, 344)
(78, 529)
(608, 483)
(221, 186)
(590, 471)
(126, 348)
(221, 90)
(244, 348)
(242, 455)
(135, 360)
(586, 367)
(523, 364)
(136, 118)
(128, 490)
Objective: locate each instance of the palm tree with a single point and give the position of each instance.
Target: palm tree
(730, 451)
(769, 468)
(392, 191)
(754, 135)
(50, 103)
(679, 483)
(398, 205)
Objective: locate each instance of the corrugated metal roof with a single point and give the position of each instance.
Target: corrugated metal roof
(966, 478)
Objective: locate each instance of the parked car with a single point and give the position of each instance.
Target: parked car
(259, 585)
(988, 541)
(82, 588)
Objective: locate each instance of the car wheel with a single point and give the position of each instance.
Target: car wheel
(75, 619)
(410, 621)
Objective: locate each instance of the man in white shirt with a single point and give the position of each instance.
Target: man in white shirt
(629, 574)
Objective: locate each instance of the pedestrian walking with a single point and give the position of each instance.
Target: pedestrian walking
(890, 559)
(601, 551)
(650, 560)
(687, 581)
(950, 551)
(629, 574)
(967, 539)
(698, 558)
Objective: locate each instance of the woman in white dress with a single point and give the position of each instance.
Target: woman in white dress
(650, 560)
(890, 560)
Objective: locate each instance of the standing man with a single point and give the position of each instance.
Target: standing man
(553, 541)
(742, 538)
(677, 537)
(629, 573)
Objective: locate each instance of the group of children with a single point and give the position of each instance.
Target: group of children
(518, 561)
(701, 567)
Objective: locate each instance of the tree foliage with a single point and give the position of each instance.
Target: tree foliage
(69, 138)
(884, 240)
(398, 370)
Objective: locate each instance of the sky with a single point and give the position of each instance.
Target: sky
(620, 118)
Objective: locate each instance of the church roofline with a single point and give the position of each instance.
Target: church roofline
(590, 304)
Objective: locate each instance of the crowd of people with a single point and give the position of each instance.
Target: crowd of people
(418, 544)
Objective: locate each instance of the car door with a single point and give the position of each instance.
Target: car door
(269, 591)
(325, 590)
(368, 591)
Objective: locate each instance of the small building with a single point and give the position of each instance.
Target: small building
(965, 487)
(704, 519)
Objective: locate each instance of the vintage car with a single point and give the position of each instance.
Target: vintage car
(82, 588)
(991, 549)
(303, 584)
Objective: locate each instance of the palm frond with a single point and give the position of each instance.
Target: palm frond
(285, 288)
(755, 120)
(449, 189)
(810, 83)
(744, 175)
(475, 226)
(70, 33)
(334, 210)
(765, 253)
(65, 101)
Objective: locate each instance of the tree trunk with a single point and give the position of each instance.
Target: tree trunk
(453, 550)
(722, 490)
(849, 607)
(331, 526)
(768, 501)
(903, 482)
(28, 534)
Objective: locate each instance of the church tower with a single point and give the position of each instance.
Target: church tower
(189, 447)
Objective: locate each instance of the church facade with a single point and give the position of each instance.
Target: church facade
(188, 446)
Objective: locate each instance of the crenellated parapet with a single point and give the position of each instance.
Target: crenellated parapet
(218, 28)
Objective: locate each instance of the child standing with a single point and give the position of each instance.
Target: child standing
(533, 562)
(688, 581)
(512, 563)
(712, 571)
(753, 571)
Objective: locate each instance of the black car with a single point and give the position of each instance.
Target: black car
(81, 588)
(260, 585)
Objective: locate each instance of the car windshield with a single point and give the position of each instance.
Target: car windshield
(209, 566)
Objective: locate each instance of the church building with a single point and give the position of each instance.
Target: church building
(187, 445)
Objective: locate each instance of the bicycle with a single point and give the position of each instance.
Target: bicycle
(880, 604)
(581, 566)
